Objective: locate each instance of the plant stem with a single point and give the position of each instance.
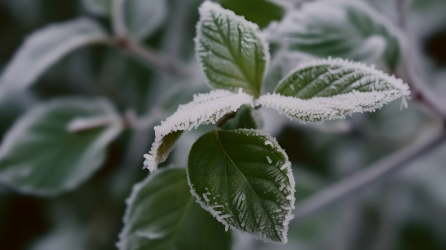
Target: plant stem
(225, 119)
(164, 62)
(118, 19)
(419, 90)
(124, 41)
(365, 178)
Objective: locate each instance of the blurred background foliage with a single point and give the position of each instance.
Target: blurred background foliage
(405, 212)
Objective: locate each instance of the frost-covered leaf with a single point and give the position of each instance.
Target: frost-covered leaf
(333, 88)
(339, 28)
(40, 155)
(244, 179)
(162, 214)
(282, 63)
(143, 17)
(45, 47)
(244, 118)
(231, 50)
(204, 109)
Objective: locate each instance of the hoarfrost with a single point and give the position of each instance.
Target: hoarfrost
(204, 109)
(317, 109)
(269, 159)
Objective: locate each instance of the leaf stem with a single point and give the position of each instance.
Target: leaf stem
(225, 119)
(365, 178)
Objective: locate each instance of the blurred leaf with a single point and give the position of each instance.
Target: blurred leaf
(231, 50)
(261, 12)
(332, 89)
(40, 155)
(340, 28)
(98, 7)
(162, 214)
(11, 108)
(44, 48)
(244, 179)
(244, 118)
(67, 237)
(143, 17)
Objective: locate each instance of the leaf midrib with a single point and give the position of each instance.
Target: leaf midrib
(228, 44)
(252, 188)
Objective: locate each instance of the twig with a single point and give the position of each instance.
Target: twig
(118, 19)
(164, 62)
(366, 178)
(419, 90)
(124, 41)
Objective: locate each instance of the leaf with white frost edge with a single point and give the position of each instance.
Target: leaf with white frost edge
(204, 109)
(40, 155)
(339, 28)
(45, 47)
(161, 214)
(232, 51)
(244, 179)
(333, 89)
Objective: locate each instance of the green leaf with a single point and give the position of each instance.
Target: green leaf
(44, 48)
(332, 89)
(41, 156)
(231, 50)
(244, 118)
(162, 214)
(144, 17)
(340, 28)
(261, 12)
(244, 179)
(204, 109)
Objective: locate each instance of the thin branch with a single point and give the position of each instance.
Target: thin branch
(419, 90)
(164, 62)
(118, 19)
(124, 41)
(365, 178)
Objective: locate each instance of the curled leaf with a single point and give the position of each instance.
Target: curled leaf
(204, 109)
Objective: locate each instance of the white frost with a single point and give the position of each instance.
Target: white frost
(269, 159)
(204, 109)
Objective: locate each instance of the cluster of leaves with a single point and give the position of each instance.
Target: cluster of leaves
(242, 176)
(238, 173)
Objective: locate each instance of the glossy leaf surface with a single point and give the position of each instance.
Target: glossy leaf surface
(244, 179)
